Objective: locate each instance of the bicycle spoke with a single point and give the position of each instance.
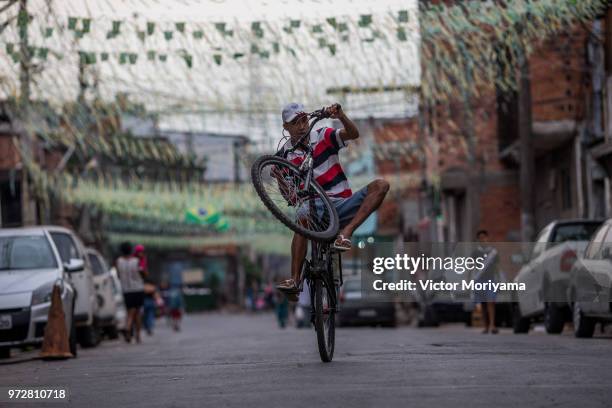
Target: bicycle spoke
(285, 193)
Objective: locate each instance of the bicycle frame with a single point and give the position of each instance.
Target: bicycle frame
(320, 266)
(306, 165)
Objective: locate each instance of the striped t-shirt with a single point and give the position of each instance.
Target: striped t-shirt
(325, 142)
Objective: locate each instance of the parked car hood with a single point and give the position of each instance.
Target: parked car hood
(26, 280)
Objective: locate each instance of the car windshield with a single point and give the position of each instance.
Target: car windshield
(26, 252)
(574, 232)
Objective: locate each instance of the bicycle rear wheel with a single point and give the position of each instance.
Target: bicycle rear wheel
(280, 185)
(325, 316)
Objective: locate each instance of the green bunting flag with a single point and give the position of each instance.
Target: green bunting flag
(188, 59)
(72, 23)
(256, 29)
(86, 25)
(365, 20)
(401, 34)
(43, 52)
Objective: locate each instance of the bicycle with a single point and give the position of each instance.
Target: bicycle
(304, 207)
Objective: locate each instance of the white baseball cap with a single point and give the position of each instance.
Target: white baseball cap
(291, 110)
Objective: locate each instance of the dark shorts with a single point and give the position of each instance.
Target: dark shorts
(133, 300)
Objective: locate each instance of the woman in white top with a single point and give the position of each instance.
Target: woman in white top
(132, 284)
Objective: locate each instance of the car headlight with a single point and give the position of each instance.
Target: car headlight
(43, 293)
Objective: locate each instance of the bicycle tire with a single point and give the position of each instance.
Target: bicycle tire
(320, 236)
(325, 338)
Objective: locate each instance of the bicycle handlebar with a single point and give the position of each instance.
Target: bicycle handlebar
(322, 113)
(318, 115)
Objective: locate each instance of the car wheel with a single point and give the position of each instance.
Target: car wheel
(467, 319)
(554, 319)
(429, 318)
(584, 326)
(89, 336)
(112, 333)
(520, 324)
(5, 352)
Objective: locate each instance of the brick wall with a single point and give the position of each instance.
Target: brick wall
(10, 156)
(500, 211)
(560, 78)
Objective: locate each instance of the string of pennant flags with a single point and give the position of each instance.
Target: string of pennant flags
(459, 44)
(81, 27)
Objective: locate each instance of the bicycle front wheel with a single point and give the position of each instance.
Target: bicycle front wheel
(281, 187)
(325, 317)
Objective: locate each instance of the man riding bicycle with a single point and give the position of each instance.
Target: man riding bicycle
(353, 209)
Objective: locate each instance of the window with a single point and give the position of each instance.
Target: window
(26, 252)
(606, 246)
(96, 265)
(574, 232)
(541, 242)
(593, 248)
(65, 246)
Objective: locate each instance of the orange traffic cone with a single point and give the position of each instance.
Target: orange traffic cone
(55, 343)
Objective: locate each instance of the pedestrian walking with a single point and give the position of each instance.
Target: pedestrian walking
(150, 290)
(302, 310)
(282, 309)
(132, 284)
(489, 272)
(176, 306)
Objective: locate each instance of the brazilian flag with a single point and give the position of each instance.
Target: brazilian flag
(202, 216)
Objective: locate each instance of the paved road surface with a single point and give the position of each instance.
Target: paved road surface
(223, 360)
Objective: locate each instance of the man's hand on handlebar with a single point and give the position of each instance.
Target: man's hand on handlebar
(334, 111)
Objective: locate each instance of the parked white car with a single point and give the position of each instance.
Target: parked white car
(71, 248)
(121, 313)
(104, 285)
(30, 266)
(590, 288)
(546, 274)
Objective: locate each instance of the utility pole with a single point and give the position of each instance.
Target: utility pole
(527, 156)
(82, 82)
(24, 60)
(28, 204)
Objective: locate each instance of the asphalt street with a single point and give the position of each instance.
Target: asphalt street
(238, 360)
